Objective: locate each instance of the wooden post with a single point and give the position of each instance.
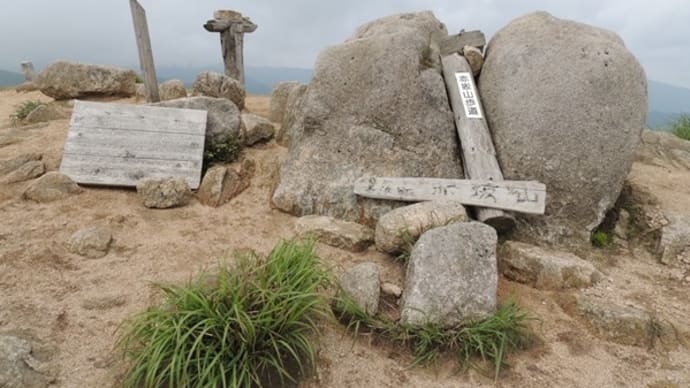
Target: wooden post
(141, 30)
(478, 153)
(232, 26)
(28, 70)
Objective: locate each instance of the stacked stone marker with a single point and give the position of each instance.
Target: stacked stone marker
(232, 26)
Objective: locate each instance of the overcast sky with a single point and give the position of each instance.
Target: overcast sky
(292, 32)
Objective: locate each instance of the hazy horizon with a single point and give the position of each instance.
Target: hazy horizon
(291, 34)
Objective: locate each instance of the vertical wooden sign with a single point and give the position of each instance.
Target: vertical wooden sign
(478, 153)
(141, 31)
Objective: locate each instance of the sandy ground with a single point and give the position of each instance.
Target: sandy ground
(73, 305)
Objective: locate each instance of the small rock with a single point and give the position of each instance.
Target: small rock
(337, 233)
(221, 183)
(91, 242)
(622, 225)
(362, 283)
(624, 324)
(220, 86)
(51, 187)
(172, 89)
(674, 245)
(475, 59)
(257, 128)
(210, 192)
(104, 302)
(18, 365)
(545, 269)
(164, 193)
(452, 276)
(26, 87)
(9, 165)
(43, 113)
(27, 171)
(404, 225)
(279, 98)
(391, 289)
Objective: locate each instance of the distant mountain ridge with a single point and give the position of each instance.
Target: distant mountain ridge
(10, 78)
(666, 102)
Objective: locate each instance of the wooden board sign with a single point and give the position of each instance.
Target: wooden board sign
(520, 196)
(119, 145)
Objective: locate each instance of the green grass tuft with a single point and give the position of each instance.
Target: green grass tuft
(601, 239)
(222, 152)
(681, 127)
(249, 325)
(23, 109)
(489, 340)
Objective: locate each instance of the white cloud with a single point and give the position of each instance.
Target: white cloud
(291, 33)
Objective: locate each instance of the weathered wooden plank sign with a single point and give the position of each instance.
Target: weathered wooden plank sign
(478, 152)
(520, 196)
(118, 145)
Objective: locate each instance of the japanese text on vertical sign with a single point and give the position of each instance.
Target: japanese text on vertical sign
(469, 96)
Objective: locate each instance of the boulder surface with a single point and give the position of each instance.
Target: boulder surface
(376, 106)
(63, 80)
(566, 104)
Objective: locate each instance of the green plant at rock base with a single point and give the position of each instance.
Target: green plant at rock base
(24, 109)
(249, 325)
(601, 239)
(681, 127)
(489, 340)
(138, 79)
(221, 152)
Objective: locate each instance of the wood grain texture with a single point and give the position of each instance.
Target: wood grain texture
(455, 43)
(141, 32)
(118, 145)
(521, 196)
(478, 152)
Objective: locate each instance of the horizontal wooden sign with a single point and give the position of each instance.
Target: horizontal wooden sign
(119, 145)
(519, 196)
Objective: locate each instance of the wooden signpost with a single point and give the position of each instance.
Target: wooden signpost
(141, 30)
(478, 153)
(118, 145)
(232, 26)
(484, 186)
(521, 196)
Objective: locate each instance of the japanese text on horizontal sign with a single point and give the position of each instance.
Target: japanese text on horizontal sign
(469, 95)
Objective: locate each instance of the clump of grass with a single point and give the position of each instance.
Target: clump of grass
(139, 79)
(23, 109)
(681, 127)
(601, 239)
(489, 340)
(408, 244)
(251, 325)
(222, 151)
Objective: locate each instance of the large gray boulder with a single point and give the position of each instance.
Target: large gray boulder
(218, 85)
(452, 276)
(63, 80)
(376, 106)
(566, 104)
(223, 121)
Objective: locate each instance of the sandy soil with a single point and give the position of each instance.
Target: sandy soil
(73, 305)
